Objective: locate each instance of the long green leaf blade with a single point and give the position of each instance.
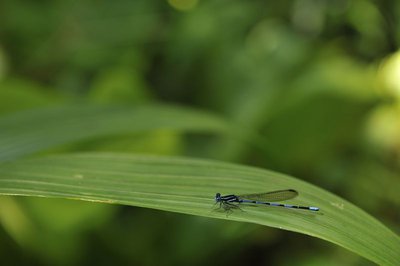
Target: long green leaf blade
(188, 186)
(31, 131)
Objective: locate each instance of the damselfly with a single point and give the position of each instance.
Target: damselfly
(229, 202)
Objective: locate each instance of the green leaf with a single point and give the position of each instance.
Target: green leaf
(188, 186)
(30, 131)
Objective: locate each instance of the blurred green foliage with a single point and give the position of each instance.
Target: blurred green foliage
(318, 80)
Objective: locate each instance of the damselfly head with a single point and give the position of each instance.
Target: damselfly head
(218, 197)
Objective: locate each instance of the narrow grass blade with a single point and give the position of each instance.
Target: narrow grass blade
(189, 186)
(30, 131)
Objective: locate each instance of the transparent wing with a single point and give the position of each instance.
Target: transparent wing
(278, 195)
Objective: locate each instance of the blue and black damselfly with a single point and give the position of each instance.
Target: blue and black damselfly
(230, 202)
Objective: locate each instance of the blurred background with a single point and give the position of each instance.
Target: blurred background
(318, 80)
